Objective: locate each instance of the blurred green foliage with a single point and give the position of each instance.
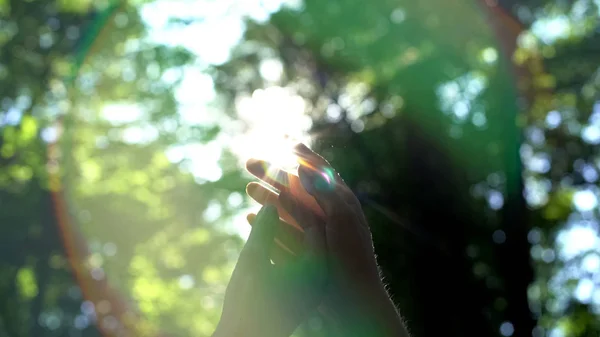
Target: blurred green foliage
(141, 213)
(473, 149)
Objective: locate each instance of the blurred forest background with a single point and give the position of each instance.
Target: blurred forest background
(468, 129)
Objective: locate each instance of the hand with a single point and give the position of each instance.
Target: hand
(266, 300)
(355, 297)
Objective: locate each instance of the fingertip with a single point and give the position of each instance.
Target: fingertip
(250, 218)
(255, 166)
(263, 229)
(252, 187)
(271, 218)
(301, 148)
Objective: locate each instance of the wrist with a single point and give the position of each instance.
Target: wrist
(223, 329)
(368, 312)
(251, 328)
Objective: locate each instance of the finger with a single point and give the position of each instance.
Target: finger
(319, 165)
(308, 157)
(278, 178)
(312, 160)
(264, 196)
(257, 248)
(298, 211)
(282, 181)
(314, 228)
(280, 253)
(289, 237)
(329, 196)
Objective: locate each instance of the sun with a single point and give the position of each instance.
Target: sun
(276, 121)
(276, 149)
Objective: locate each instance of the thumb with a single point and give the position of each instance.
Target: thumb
(261, 237)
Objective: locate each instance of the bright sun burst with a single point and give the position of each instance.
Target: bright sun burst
(276, 121)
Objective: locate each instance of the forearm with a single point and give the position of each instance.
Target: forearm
(225, 329)
(240, 326)
(368, 313)
(384, 316)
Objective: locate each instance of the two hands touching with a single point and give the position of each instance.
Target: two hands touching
(310, 249)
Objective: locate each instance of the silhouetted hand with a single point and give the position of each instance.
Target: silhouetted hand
(356, 297)
(266, 300)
